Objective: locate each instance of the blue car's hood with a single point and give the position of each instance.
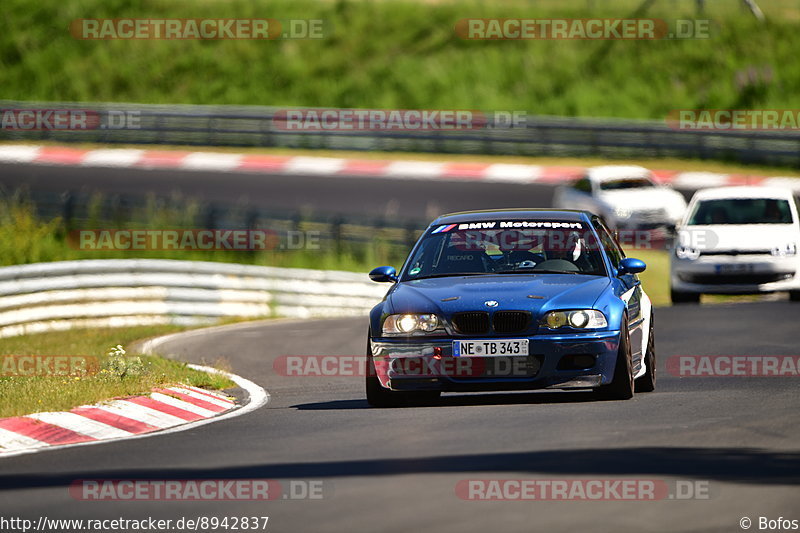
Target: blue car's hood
(512, 291)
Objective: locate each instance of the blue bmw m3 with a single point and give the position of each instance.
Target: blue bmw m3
(505, 300)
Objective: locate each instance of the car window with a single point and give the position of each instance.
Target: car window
(421, 261)
(471, 250)
(741, 211)
(583, 185)
(626, 183)
(613, 249)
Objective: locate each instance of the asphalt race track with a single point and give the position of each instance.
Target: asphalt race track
(369, 196)
(396, 470)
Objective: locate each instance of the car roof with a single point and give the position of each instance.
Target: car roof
(615, 172)
(744, 191)
(566, 215)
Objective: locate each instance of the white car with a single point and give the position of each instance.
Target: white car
(737, 240)
(626, 197)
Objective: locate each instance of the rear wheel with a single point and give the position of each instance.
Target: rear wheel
(647, 382)
(622, 386)
(679, 297)
(379, 396)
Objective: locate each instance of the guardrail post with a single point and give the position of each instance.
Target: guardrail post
(336, 234)
(210, 221)
(67, 210)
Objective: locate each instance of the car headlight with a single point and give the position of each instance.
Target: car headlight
(788, 249)
(687, 252)
(578, 319)
(411, 324)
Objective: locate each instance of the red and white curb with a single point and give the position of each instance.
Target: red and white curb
(333, 166)
(164, 410)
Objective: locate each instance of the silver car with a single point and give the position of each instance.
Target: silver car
(626, 197)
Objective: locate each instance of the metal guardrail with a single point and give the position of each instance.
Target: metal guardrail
(125, 292)
(539, 136)
(331, 233)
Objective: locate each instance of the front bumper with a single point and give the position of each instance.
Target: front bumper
(645, 220)
(739, 274)
(428, 364)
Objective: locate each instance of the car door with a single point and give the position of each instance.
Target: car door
(629, 290)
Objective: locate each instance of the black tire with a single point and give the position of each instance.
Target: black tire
(794, 296)
(678, 297)
(622, 386)
(378, 396)
(647, 382)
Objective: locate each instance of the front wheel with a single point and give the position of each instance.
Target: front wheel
(621, 386)
(794, 296)
(647, 382)
(378, 396)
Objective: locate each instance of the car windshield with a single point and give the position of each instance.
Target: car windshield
(493, 248)
(626, 183)
(741, 211)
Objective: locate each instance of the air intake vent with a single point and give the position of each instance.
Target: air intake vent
(471, 323)
(735, 279)
(511, 321)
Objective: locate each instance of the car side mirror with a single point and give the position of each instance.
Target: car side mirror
(630, 265)
(383, 274)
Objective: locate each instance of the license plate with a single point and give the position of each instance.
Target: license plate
(490, 348)
(734, 268)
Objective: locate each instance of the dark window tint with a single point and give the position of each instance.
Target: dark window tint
(583, 185)
(741, 211)
(613, 249)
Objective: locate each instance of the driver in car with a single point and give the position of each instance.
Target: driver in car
(516, 247)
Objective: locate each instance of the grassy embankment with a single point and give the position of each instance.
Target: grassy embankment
(405, 54)
(117, 374)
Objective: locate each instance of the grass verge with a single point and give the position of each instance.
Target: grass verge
(406, 55)
(655, 280)
(119, 374)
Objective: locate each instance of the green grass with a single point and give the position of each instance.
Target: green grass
(405, 54)
(655, 279)
(118, 375)
(24, 238)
